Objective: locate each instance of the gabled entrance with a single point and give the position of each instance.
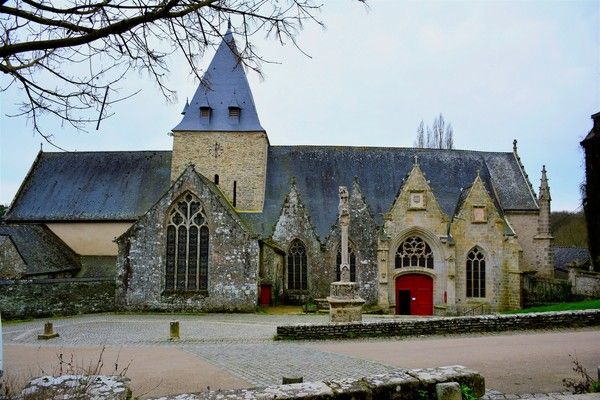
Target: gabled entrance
(414, 294)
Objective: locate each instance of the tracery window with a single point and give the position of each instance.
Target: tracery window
(475, 273)
(414, 252)
(297, 266)
(352, 262)
(187, 247)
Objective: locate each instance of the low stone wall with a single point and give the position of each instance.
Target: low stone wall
(47, 297)
(540, 291)
(76, 387)
(442, 325)
(585, 283)
(400, 385)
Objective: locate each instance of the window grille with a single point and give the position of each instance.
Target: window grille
(414, 252)
(205, 112)
(187, 247)
(234, 112)
(475, 273)
(352, 262)
(297, 266)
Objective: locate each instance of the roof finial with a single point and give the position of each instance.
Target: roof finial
(514, 145)
(416, 160)
(229, 23)
(41, 146)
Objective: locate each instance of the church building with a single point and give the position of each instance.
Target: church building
(227, 222)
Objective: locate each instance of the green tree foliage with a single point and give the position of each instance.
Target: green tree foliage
(3, 209)
(569, 229)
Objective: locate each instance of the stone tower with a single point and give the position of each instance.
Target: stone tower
(544, 239)
(220, 132)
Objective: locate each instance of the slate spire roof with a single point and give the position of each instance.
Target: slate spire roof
(224, 84)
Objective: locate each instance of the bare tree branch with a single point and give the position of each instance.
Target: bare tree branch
(65, 55)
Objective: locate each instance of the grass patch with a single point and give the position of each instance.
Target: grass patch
(280, 310)
(578, 305)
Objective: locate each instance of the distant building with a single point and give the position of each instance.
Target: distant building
(591, 203)
(227, 221)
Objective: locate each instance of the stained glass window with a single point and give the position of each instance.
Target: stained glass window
(414, 252)
(187, 246)
(351, 261)
(297, 266)
(475, 273)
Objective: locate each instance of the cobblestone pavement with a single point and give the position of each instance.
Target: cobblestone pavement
(495, 395)
(241, 344)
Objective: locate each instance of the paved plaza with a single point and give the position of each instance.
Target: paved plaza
(225, 351)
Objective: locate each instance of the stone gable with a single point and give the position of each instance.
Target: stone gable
(494, 238)
(294, 223)
(232, 262)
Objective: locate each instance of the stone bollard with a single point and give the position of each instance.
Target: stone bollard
(448, 391)
(286, 380)
(48, 332)
(174, 331)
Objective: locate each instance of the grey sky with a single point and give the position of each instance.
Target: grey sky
(496, 70)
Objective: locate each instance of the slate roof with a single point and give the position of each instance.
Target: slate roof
(319, 170)
(563, 256)
(41, 250)
(224, 84)
(124, 185)
(91, 186)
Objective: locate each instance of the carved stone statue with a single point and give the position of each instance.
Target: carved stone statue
(344, 211)
(345, 305)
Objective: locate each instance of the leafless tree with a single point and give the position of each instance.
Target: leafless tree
(68, 56)
(439, 136)
(420, 142)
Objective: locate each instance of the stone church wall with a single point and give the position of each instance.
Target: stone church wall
(501, 254)
(525, 225)
(294, 223)
(234, 156)
(272, 262)
(428, 222)
(363, 234)
(233, 256)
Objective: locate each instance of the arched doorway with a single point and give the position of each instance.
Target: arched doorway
(414, 294)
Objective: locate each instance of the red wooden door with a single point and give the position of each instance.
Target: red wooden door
(265, 295)
(421, 293)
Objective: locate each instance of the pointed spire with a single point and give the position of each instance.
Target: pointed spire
(544, 188)
(224, 76)
(514, 145)
(185, 108)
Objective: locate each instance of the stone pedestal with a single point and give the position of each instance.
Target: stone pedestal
(48, 332)
(345, 305)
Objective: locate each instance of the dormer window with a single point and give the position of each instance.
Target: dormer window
(205, 112)
(234, 112)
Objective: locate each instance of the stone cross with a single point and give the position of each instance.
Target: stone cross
(344, 210)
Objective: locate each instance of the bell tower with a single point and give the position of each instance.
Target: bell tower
(220, 132)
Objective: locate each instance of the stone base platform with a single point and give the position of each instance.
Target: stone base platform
(345, 305)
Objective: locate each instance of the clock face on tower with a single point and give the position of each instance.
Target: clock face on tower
(216, 150)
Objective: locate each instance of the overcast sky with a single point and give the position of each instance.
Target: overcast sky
(497, 71)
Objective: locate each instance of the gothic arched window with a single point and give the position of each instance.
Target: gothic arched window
(414, 252)
(297, 266)
(351, 261)
(187, 247)
(475, 273)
